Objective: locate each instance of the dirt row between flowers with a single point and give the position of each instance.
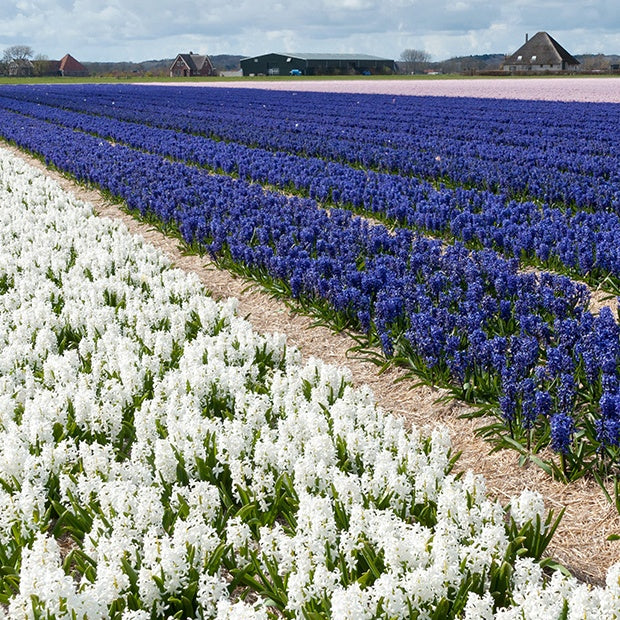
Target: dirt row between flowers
(580, 542)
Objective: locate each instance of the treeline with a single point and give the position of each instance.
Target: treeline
(222, 62)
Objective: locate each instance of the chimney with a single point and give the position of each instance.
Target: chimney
(526, 37)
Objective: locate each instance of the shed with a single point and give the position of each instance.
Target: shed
(315, 64)
(191, 65)
(541, 53)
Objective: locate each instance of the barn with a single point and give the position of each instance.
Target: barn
(541, 53)
(316, 64)
(191, 65)
(68, 66)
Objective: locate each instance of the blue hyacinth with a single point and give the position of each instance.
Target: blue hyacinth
(562, 429)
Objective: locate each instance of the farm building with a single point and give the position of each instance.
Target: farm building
(191, 65)
(68, 66)
(316, 64)
(20, 67)
(540, 53)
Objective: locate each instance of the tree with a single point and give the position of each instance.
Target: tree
(414, 60)
(16, 60)
(17, 52)
(41, 65)
(594, 62)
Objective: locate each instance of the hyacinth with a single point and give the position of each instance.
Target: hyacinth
(562, 429)
(527, 507)
(608, 426)
(457, 316)
(467, 317)
(162, 427)
(323, 166)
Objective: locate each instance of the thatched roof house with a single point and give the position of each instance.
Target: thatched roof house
(540, 53)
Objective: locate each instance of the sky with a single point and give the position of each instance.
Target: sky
(138, 30)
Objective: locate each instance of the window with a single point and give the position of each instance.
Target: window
(519, 57)
(533, 57)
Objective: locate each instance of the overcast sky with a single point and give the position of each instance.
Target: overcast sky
(136, 30)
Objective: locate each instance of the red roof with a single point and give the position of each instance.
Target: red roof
(69, 65)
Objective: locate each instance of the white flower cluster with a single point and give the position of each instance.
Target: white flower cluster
(158, 457)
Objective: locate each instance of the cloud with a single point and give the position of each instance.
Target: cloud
(140, 29)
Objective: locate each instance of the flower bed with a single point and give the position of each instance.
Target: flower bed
(469, 321)
(159, 457)
(571, 167)
(582, 88)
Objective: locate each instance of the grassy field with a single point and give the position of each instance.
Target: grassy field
(281, 78)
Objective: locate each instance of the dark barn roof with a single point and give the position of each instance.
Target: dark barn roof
(314, 56)
(541, 49)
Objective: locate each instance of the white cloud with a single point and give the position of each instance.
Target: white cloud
(144, 29)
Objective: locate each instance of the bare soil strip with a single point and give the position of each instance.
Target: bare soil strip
(580, 542)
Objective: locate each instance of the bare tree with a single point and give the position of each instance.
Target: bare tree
(41, 65)
(16, 60)
(595, 62)
(414, 60)
(17, 52)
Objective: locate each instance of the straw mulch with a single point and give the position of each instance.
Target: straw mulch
(580, 542)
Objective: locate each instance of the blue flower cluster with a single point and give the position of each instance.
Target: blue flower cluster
(468, 319)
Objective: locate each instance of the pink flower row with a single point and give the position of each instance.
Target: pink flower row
(595, 89)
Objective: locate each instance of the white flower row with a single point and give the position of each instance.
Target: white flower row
(152, 445)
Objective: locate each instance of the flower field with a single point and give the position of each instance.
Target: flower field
(585, 89)
(159, 458)
(466, 197)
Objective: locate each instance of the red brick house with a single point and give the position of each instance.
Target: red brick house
(189, 65)
(20, 67)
